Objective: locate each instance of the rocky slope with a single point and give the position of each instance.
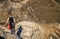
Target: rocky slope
(40, 18)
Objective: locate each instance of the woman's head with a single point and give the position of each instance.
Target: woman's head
(11, 14)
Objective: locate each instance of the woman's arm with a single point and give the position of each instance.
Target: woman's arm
(14, 20)
(7, 21)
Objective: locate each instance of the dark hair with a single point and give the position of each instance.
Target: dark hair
(11, 14)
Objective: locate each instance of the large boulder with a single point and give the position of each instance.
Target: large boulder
(31, 30)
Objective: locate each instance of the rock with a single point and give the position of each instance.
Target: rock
(29, 29)
(33, 30)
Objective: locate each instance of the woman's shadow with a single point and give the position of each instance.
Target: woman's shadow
(19, 32)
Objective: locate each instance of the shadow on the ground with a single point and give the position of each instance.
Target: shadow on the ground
(19, 32)
(2, 37)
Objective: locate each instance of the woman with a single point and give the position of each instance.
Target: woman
(11, 22)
